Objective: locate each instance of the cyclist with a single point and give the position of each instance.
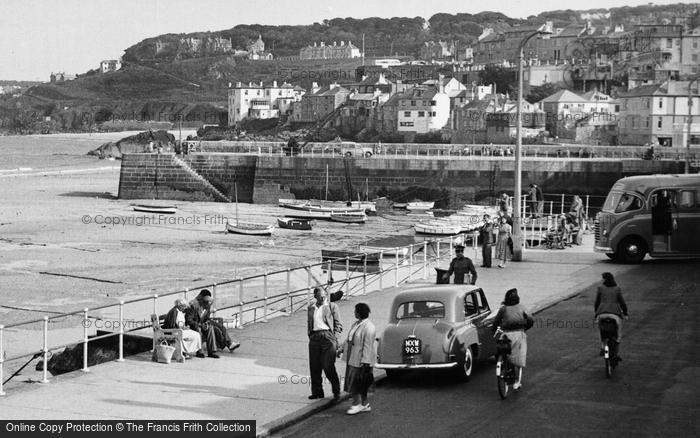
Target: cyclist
(514, 321)
(609, 303)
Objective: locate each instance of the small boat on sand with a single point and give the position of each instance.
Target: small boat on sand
(250, 229)
(154, 208)
(291, 223)
(349, 218)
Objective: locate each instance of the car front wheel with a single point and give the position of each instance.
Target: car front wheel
(631, 250)
(465, 367)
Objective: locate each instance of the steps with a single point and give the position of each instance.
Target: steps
(207, 185)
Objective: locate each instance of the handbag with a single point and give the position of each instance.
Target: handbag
(164, 352)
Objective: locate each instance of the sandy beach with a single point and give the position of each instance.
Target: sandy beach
(66, 242)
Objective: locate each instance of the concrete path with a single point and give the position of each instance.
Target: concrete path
(267, 378)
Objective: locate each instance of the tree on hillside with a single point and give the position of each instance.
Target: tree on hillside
(540, 92)
(505, 79)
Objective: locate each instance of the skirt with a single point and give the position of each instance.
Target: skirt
(358, 380)
(518, 345)
(502, 249)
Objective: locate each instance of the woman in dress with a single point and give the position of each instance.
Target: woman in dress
(361, 354)
(502, 248)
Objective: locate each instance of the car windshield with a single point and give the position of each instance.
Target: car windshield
(620, 202)
(420, 309)
(611, 202)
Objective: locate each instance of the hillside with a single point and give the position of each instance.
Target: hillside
(161, 76)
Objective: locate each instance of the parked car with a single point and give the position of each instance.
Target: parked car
(437, 327)
(351, 149)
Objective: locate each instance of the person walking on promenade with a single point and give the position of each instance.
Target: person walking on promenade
(486, 234)
(323, 327)
(502, 246)
(514, 321)
(360, 351)
(609, 303)
(536, 200)
(175, 319)
(503, 204)
(460, 266)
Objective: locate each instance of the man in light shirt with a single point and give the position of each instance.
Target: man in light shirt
(323, 328)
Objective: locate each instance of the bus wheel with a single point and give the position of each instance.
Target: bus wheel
(368, 154)
(631, 250)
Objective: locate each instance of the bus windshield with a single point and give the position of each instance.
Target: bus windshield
(611, 202)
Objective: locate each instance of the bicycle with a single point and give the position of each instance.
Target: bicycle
(608, 331)
(505, 371)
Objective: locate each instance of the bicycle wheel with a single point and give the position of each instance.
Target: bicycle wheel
(608, 360)
(501, 376)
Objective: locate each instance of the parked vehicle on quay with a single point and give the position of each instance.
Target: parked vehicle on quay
(657, 215)
(437, 327)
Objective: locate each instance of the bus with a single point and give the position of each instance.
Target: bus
(657, 215)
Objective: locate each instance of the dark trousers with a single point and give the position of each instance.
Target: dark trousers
(486, 255)
(223, 340)
(206, 330)
(322, 348)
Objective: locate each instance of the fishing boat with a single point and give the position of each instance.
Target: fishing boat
(438, 228)
(248, 228)
(156, 209)
(399, 205)
(420, 205)
(290, 223)
(349, 218)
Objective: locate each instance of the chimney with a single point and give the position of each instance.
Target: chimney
(239, 84)
(250, 84)
(334, 43)
(323, 44)
(314, 43)
(261, 84)
(314, 87)
(342, 43)
(274, 84)
(333, 85)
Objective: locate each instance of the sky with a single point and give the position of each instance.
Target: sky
(38, 37)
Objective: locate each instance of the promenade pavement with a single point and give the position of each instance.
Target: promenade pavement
(267, 378)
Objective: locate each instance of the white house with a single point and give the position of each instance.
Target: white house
(109, 65)
(261, 101)
(423, 109)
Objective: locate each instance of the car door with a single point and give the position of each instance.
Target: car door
(476, 312)
(484, 325)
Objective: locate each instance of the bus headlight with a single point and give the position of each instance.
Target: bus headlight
(605, 233)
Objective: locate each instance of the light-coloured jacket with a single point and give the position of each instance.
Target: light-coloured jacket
(362, 346)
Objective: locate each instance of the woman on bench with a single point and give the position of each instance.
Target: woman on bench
(175, 319)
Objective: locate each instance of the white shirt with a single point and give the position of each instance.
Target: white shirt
(319, 323)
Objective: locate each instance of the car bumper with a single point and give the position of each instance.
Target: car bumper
(603, 249)
(420, 366)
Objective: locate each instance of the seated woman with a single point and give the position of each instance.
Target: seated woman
(175, 319)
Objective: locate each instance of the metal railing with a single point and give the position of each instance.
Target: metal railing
(249, 300)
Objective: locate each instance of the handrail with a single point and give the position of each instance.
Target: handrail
(359, 274)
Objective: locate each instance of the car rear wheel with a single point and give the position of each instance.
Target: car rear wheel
(466, 366)
(631, 250)
(348, 154)
(368, 154)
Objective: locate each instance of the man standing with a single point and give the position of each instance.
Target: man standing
(323, 328)
(486, 234)
(536, 200)
(460, 266)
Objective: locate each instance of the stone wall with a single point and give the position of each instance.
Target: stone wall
(449, 181)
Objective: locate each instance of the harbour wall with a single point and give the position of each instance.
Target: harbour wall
(450, 181)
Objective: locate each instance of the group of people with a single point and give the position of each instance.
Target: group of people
(199, 327)
(360, 349)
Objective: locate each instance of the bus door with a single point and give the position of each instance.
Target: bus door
(687, 233)
(664, 214)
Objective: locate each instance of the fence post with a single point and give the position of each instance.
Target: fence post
(364, 275)
(289, 294)
(396, 267)
(239, 323)
(2, 360)
(264, 297)
(551, 208)
(308, 276)
(85, 341)
(587, 196)
(425, 260)
(410, 262)
(155, 304)
(45, 378)
(347, 276)
(437, 255)
(562, 203)
(381, 269)
(121, 332)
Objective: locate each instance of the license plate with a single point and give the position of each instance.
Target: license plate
(412, 346)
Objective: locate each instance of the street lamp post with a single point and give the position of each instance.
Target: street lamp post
(517, 231)
(690, 122)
